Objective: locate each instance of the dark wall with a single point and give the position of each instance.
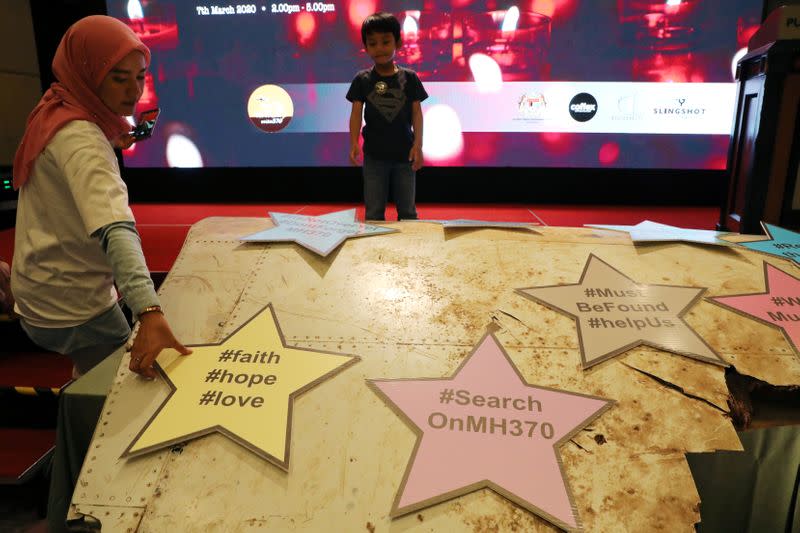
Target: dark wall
(51, 18)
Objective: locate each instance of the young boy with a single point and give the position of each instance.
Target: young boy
(390, 97)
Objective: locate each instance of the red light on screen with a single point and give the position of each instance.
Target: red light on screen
(149, 98)
(159, 35)
(306, 26)
(482, 147)
(745, 28)
(155, 24)
(717, 163)
(558, 143)
(666, 68)
(553, 8)
(545, 7)
(358, 10)
(608, 153)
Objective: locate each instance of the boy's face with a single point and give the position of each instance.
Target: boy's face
(381, 47)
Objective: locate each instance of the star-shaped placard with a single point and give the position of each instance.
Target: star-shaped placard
(648, 231)
(320, 234)
(466, 223)
(243, 387)
(778, 306)
(615, 314)
(487, 427)
(782, 243)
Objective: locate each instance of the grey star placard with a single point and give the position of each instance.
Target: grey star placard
(648, 231)
(615, 313)
(468, 223)
(320, 234)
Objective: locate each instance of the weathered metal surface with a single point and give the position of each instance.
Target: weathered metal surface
(413, 304)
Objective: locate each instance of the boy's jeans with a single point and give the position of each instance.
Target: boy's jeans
(379, 175)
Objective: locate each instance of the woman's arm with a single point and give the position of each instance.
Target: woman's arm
(122, 245)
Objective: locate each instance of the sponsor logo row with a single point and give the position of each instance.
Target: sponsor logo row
(584, 106)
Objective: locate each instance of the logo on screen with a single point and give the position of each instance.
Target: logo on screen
(627, 108)
(681, 108)
(270, 108)
(532, 105)
(583, 107)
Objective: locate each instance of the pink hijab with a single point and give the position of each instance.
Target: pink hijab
(87, 52)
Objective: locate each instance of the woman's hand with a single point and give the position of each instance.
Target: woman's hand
(153, 336)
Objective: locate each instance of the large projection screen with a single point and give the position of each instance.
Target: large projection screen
(638, 84)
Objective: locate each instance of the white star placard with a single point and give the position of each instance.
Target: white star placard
(320, 234)
(648, 231)
(467, 223)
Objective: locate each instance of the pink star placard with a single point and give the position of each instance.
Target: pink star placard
(778, 306)
(487, 427)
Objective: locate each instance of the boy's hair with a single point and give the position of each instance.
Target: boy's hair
(380, 23)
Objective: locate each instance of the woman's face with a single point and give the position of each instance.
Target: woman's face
(122, 87)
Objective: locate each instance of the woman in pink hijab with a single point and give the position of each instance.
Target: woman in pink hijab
(75, 233)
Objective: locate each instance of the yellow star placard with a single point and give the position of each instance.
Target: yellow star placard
(243, 387)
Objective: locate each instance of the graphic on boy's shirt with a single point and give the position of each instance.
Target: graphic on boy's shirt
(270, 108)
(388, 102)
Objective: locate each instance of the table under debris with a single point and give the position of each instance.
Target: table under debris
(414, 304)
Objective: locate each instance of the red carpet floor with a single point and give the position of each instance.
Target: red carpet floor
(164, 226)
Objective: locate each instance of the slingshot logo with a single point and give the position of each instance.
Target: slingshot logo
(680, 108)
(583, 107)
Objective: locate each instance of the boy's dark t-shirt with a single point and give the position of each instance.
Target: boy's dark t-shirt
(387, 111)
